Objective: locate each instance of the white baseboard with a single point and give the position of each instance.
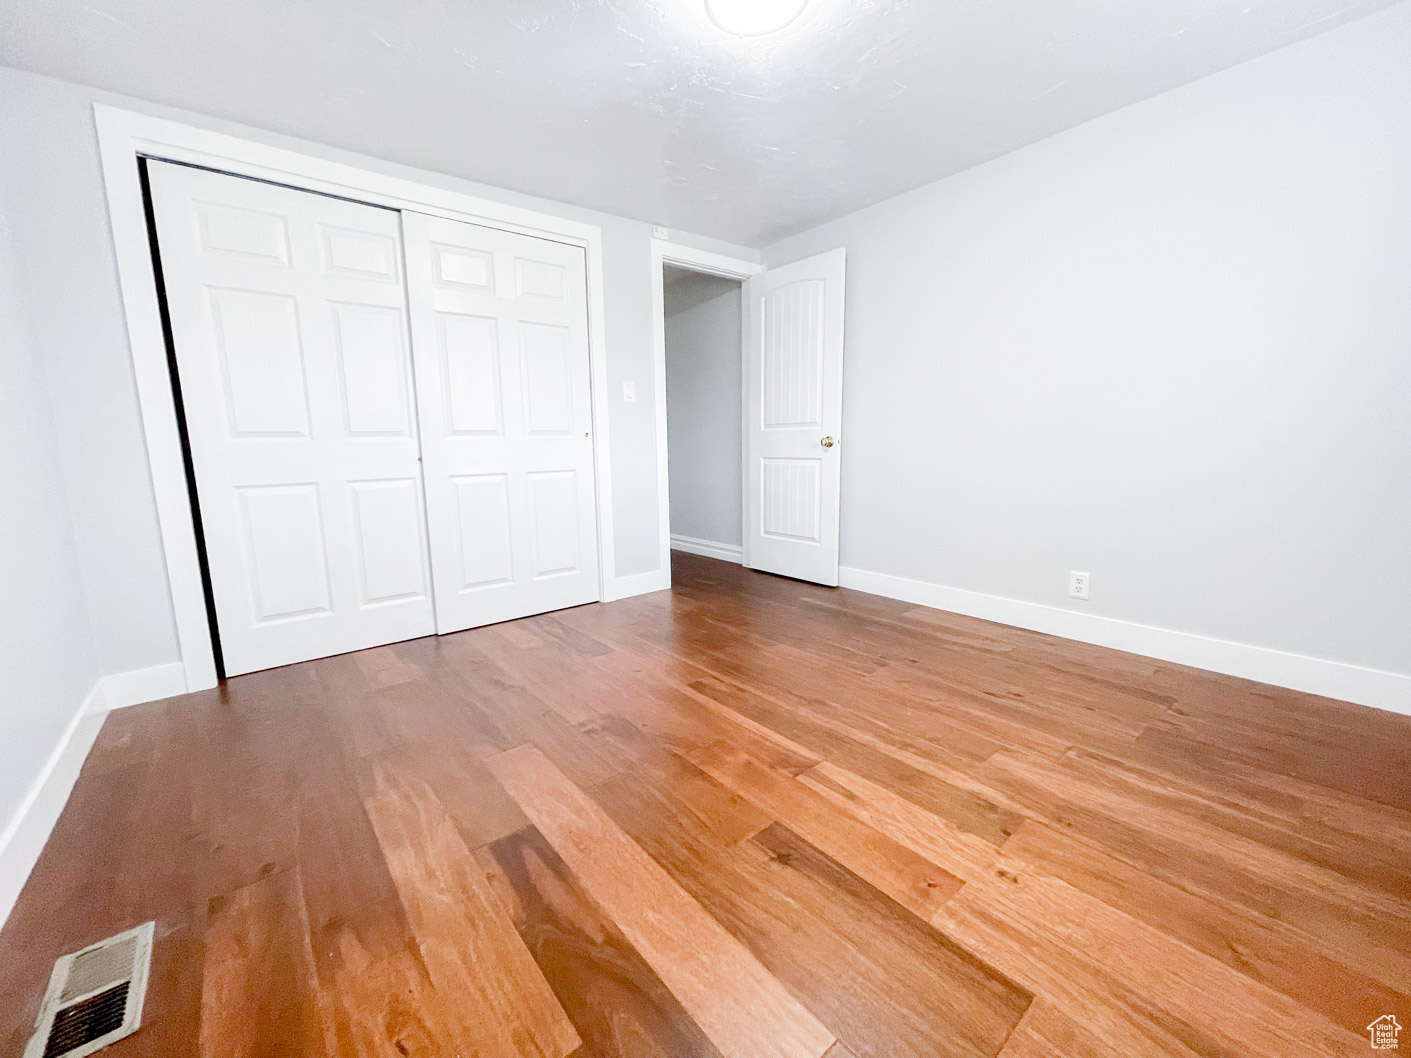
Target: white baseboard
(708, 548)
(1331, 679)
(639, 584)
(23, 839)
(143, 685)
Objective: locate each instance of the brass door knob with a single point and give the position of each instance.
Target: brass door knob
(827, 442)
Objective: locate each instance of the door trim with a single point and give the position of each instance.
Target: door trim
(665, 252)
(123, 137)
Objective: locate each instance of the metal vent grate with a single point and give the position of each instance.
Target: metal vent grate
(94, 997)
(98, 968)
(85, 1022)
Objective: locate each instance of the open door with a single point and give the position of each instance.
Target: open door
(794, 418)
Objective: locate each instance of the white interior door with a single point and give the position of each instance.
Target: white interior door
(287, 310)
(500, 340)
(794, 418)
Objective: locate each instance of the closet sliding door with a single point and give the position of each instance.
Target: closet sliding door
(361, 481)
(290, 337)
(500, 340)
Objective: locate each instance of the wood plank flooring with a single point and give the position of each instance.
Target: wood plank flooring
(742, 819)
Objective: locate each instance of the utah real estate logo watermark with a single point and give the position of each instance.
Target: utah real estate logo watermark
(1384, 1032)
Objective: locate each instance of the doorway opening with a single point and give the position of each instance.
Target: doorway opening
(781, 457)
(703, 321)
(123, 138)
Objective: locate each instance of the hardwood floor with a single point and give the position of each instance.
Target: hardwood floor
(746, 818)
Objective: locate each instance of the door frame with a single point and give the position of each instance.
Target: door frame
(665, 252)
(123, 137)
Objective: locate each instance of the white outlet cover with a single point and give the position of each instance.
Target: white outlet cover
(1078, 584)
(629, 393)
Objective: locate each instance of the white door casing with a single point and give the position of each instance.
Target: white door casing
(500, 345)
(289, 324)
(793, 418)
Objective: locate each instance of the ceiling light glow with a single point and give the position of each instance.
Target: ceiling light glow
(753, 18)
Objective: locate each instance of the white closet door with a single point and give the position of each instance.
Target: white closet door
(794, 418)
(287, 311)
(500, 338)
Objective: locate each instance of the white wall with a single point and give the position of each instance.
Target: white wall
(48, 663)
(703, 381)
(1171, 347)
(49, 170)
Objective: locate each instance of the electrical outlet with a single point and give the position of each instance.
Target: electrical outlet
(1078, 584)
(629, 393)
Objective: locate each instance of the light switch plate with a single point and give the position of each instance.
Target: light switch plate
(629, 393)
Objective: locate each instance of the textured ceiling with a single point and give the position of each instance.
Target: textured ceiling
(642, 107)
